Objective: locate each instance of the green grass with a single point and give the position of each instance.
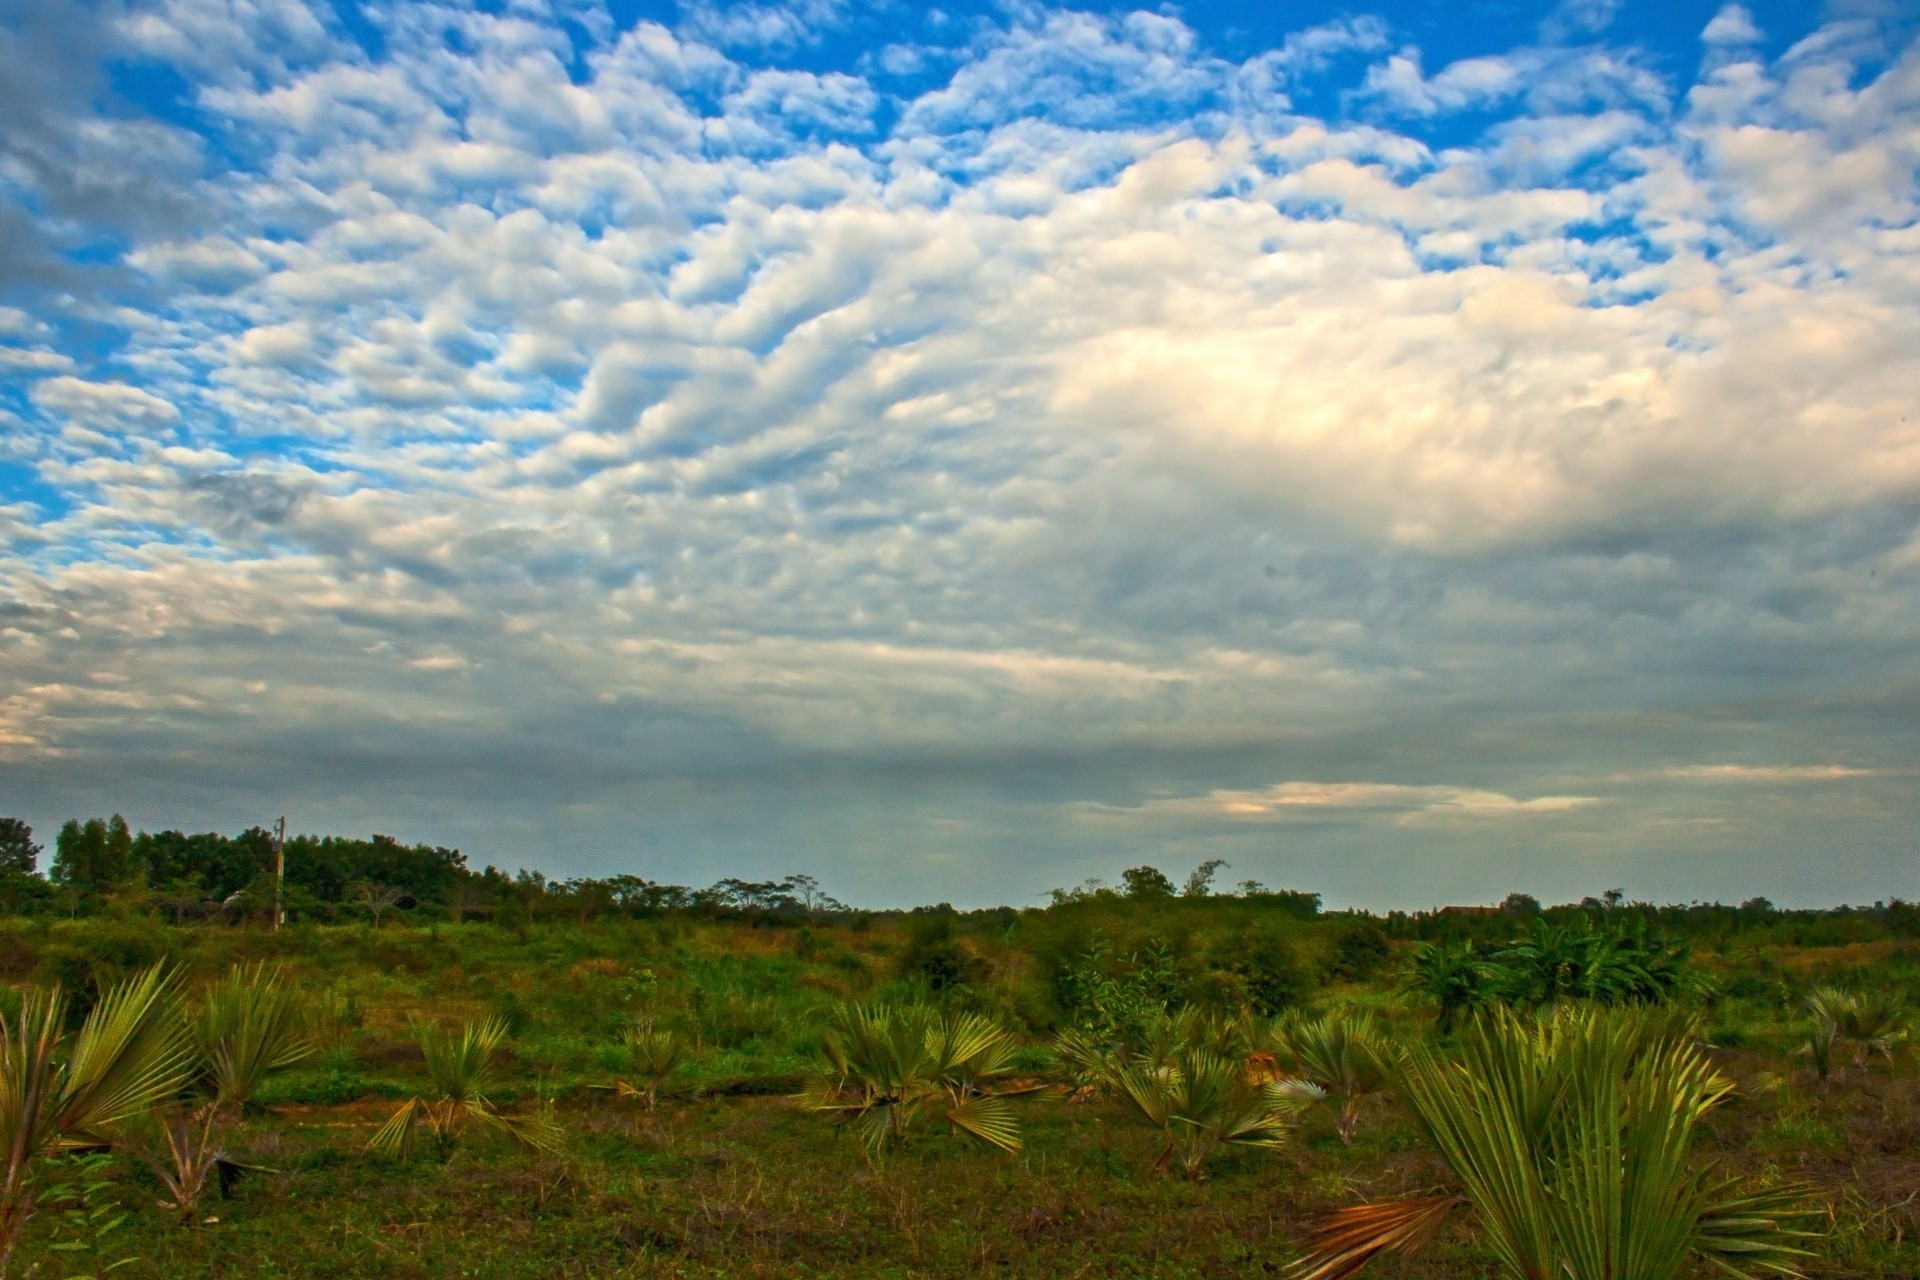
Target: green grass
(728, 1178)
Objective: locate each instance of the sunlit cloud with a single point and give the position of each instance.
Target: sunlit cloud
(1320, 801)
(499, 406)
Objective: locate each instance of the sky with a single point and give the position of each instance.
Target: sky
(1412, 452)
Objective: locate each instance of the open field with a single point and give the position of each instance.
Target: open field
(728, 1177)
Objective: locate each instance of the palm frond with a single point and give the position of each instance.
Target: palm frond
(988, 1117)
(1346, 1240)
(395, 1138)
(248, 1025)
(132, 1051)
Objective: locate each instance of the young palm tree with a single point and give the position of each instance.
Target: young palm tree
(1093, 1062)
(248, 1024)
(1571, 1139)
(1874, 1021)
(1202, 1101)
(59, 1092)
(1345, 1055)
(1456, 976)
(459, 1066)
(656, 1054)
(883, 1066)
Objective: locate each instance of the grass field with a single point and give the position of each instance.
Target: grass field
(728, 1178)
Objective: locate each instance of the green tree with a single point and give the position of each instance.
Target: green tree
(1200, 879)
(18, 852)
(1146, 883)
(94, 856)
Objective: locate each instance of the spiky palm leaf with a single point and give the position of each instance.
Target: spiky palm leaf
(1876, 1022)
(460, 1067)
(130, 1052)
(656, 1054)
(248, 1024)
(1571, 1141)
(181, 1146)
(882, 1066)
(1345, 1054)
(1201, 1101)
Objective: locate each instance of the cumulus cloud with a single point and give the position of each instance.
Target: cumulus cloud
(634, 409)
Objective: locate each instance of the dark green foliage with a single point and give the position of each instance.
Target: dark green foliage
(1454, 976)
(934, 957)
(1359, 954)
(1118, 999)
(18, 853)
(94, 856)
(1274, 978)
(1524, 905)
(1586, 958)
(1582, 960)
(217, 866)
(82, 963)
(1146, 883)
(330, 866)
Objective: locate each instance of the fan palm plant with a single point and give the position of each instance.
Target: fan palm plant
(60, 1093)
(248, 1024)
(656, 1054)
(883, 1065)
(1571, 1139)
(1874, 1021)
(460, 1068)
(1456, 976)
(1201, 1101)
(1093, 1061)
(1345, 1055)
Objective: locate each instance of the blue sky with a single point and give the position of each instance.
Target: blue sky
(1412, 452)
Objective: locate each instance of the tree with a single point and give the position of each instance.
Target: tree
(18, 852)
(1455, 976)
(466, 898)
(1144, 883)
(94, 856)
(378, 899)
(1520, 904)
(1572, 1140)
(1200, 879)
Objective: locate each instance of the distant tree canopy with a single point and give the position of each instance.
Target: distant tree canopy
(93, 856)
(100, 864)
(18, 853)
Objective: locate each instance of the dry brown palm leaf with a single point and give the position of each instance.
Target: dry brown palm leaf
(1346, 1240)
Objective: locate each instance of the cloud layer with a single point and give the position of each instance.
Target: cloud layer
(652, 448)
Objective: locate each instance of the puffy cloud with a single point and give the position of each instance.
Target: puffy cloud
(604, 414)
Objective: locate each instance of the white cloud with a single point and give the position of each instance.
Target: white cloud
(1095, 401)
(1733, 25)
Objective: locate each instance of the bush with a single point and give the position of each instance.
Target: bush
(1359, 954)
(81, 960)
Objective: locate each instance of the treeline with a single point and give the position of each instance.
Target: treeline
(101, 865)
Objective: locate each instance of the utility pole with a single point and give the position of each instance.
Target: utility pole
(279, 872)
